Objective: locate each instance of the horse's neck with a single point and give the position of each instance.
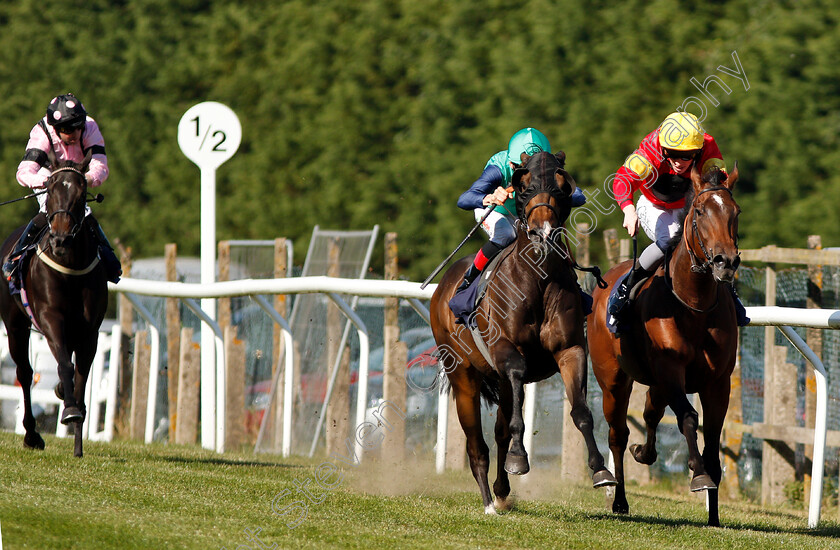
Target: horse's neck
(80, 254)
(697, 289)
(531, 264)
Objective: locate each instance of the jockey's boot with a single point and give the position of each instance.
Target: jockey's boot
(113, 268)
(27, 239)
(621, 299)
(469, 277)
(740, 310)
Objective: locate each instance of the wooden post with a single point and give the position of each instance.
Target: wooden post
(173, 340)
(777, 461)
(611, 246)
(280, 305)
(769, 372)
(338, 409)
(126, 320)
(186, 426)
(625, 251)
(814, 338)
(140, 386)
(235, 389)
(395, 357)
(224, 275)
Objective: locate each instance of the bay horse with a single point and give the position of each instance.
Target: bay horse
(532, 320)
(65, 288)
(681, 337)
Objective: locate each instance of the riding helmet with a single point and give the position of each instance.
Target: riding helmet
(681, 131)
(529, 141)
(66, 111)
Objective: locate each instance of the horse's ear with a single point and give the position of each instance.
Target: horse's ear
(695, 179)
(565, 182)
(561, 158)
(732, 178)
(516, 181)
(52, 159)
(86, 160)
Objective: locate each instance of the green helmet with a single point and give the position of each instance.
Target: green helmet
(527, 140)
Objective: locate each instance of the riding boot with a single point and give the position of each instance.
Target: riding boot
(469, 277)
(113, 268)
(489, 251)
(621, 299)
(740, 310)
(27, 239)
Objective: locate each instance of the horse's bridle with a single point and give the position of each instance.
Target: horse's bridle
(77, 223)
(696, 266)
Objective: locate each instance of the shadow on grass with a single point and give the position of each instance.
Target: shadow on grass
(227, 462)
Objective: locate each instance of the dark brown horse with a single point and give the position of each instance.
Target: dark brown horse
(682, 338)
(532, 320)
(67, 296)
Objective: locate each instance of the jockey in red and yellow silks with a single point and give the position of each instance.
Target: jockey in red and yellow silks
(661, 169)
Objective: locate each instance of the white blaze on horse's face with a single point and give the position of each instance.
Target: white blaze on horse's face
(545, 230)
(67, 183)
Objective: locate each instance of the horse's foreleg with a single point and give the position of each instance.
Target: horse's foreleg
(83, 362)
(572, 364)
(688, 422)
(615, 401)
(19, 351)
(516, 462)
(715, 403)
(469, 415)
(501, 487)
(654, 411)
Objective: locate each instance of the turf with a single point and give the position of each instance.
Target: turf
(127, 495)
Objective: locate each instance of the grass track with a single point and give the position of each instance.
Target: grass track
(126, 495)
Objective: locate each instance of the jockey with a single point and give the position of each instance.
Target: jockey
(491, 188)
(661, 169)
(70, 133)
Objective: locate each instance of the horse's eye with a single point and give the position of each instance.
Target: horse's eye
(698, 212)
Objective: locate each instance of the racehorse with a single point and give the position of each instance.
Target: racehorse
(65, 295)
(532, 321)
(681, 338)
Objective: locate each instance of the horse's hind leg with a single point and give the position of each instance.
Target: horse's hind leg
(19, 351)
(467, 404)
(654, 410)
(715, 403)
(572, 364)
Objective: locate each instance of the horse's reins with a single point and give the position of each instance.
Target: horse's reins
(696, 266)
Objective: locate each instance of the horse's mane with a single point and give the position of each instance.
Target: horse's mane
(713, 178)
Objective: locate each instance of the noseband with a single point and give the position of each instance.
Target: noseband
(77, 223)
(696, 266)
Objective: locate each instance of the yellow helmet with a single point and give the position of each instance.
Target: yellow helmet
(681, 131)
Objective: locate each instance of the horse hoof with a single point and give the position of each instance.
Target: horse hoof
(59, 391)
(620, 508)
(503, 504)
(33, 441)
(640, 456)
(489, 510)
(517, 465)
(603, 478)
(703, 482)
(70, 415)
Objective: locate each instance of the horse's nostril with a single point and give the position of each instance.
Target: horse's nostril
(719, 260)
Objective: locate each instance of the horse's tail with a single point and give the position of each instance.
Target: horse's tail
(490, 391)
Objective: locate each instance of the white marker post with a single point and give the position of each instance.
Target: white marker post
(209, 134)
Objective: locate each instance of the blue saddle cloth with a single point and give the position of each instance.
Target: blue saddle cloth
(465, 302)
